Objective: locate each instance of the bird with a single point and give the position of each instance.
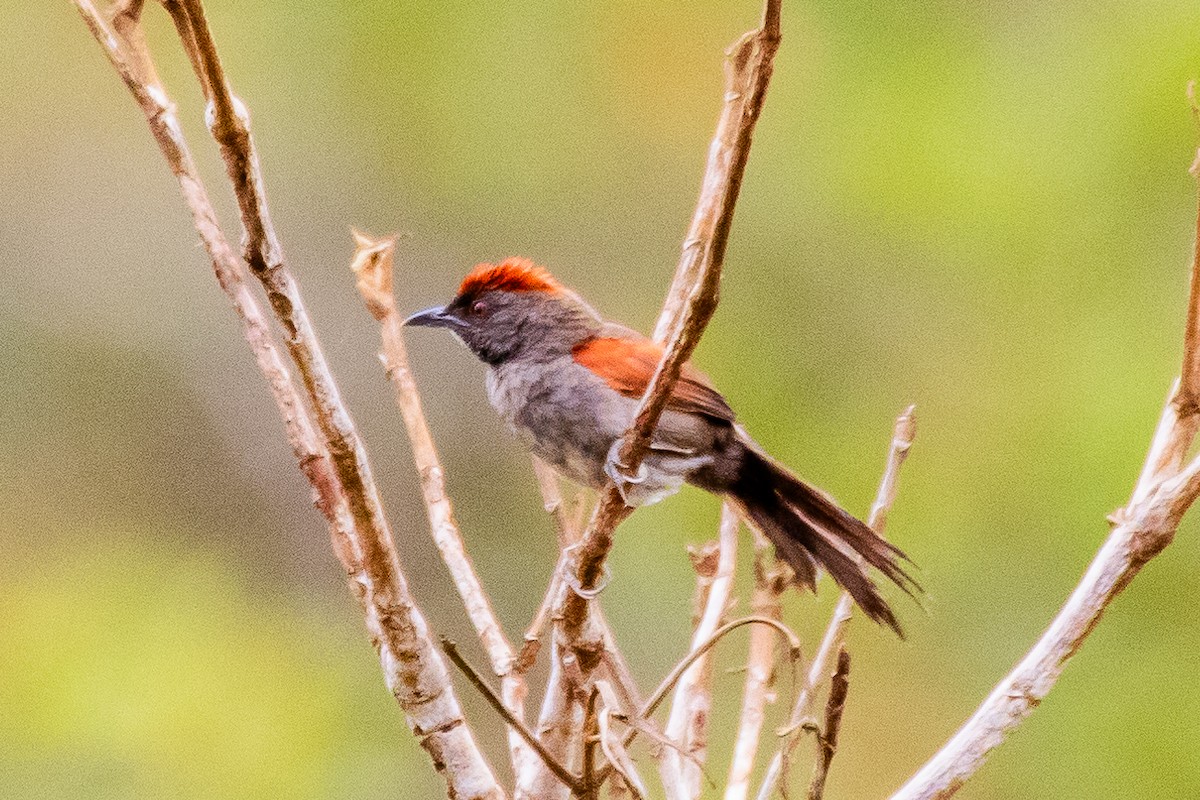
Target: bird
(567, 382)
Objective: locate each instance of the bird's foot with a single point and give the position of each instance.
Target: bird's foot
(570, 563)
(628, 485)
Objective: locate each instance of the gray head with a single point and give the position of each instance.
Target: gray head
(513, 309)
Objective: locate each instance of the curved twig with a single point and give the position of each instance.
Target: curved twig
(677, 671)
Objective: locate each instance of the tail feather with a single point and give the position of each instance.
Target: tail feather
(807, 528)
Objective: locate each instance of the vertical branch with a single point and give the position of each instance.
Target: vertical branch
(568, 534)
(748, 72)
(373, 266)
(827, 737)
(770, 581)
(1180, 420)
(413, 671)
(613, 662)
(748, 67)
(560, 729)
(1188, 401)
(903, 434)
(687, 724)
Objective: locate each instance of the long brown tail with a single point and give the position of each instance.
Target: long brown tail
(809, 529)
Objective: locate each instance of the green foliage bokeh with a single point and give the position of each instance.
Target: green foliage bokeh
(980, 208)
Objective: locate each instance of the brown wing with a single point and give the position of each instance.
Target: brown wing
(627, 366)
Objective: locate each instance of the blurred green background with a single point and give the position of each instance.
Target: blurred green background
(980, 208)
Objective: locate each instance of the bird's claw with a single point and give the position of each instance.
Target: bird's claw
(572, 580)
(625, 483)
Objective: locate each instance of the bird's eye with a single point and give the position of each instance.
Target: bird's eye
(479, 308)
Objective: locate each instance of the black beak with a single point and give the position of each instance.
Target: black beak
(434, 318)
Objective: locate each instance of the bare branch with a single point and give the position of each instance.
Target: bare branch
(680, 668)
(1141, 530)
(770, 581)
(618, 758)
(373, 265)
(591, 741)
(827, 737)
(560, 728)
(748, 72)
(613, 661)
(903, 434)
(412, 669)
(568, 534)
(687, 725)
(565, 528)
(514, 723)
(748, 66)
(1188, 401)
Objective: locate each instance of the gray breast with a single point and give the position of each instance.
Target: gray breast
(563, 413)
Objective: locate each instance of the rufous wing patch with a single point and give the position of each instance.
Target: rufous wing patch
(627, 366)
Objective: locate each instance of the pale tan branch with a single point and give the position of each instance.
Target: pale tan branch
(748, 71)
(560, 729)
(687, 725)
(412, 669)
(612, 661)
(373, 266)
(1141, 530)
(1162, 495)
(903, 434)
(1188, 400)
(568, 534)
(124, 44)
(770, 581)
(1177, 429)
(749, 63)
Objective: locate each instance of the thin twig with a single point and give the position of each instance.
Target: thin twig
(1143, 529)
(565, 528)
(373, 266)
(687, 725)
(618, 758)
(568, 534)
(903, 434)
(748, 72)
(770, 581)
(668, 683)
(412, 669)
(501, 708)
(827, 737)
